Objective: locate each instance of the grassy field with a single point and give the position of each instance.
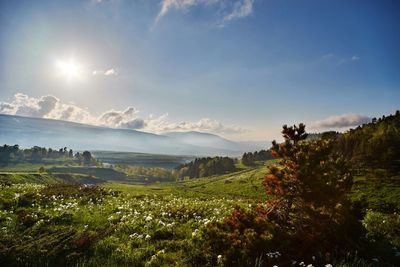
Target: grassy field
(245, 184)
(45, 223)
(118, 224)
(377, 193)
(73, 225)
(141, 159)
(24, 167)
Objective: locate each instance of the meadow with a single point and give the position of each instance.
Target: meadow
(115, 224)
(45, 223)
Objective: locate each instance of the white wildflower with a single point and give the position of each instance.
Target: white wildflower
(219, 259)
(195, 232)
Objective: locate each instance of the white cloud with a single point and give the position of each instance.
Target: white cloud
(51, 107)
(231, 9)
(341, 121)
(163, 124)
(27, 106)
(166, 5)
(109, 72)
(241, 9)
(127, 118)
(45, 107)
(137, 123)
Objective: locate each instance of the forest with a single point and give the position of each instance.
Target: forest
(202, 167)
(12, 154)
(250, 158)
(374, 145)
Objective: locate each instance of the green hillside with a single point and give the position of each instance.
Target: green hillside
(21, 178)
(243, 184)
(46, 178)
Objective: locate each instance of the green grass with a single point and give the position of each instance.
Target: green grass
(22, 178)
(98, 172)
(141, 159)
(73, 225)
(89, 228)
(34, 166)
(9, 178)
(245, 184)
(69, 225)
(22, 167)
(381, 194)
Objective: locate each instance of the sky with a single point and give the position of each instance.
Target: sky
(240, 69)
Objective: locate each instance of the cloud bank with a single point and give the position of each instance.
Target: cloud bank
(51, 107)
(341, 121)
(231, 10)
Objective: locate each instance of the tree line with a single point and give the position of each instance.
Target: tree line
(208, 166)
(250, 158)
(373, 145)
(14, 154)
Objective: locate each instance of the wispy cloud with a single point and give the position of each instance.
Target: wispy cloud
(231, 10)
(241, 9)
(167, 5)
(341, 121)
(109, 72)
(327, 56)
(52, 107)
(351, 59)
(339, 60)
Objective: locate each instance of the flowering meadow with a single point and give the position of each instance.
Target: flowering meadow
(85, 225)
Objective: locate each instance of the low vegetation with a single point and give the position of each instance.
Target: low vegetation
(149, 174)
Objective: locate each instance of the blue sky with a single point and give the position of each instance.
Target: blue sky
(240, 69)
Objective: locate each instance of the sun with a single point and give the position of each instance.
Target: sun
(69, 69)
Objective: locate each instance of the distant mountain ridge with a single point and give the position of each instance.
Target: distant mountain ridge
(27, 132)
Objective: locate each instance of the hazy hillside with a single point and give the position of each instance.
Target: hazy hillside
(215, 141)
(28, 132)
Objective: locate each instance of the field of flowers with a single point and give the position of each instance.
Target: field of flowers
(87, 226)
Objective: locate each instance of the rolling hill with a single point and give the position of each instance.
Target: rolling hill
(27, 132)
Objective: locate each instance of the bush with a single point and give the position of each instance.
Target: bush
(240, 239)
(381, 226)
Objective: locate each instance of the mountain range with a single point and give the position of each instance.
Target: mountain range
(28, 132)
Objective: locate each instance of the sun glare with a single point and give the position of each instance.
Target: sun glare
(69, 69)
